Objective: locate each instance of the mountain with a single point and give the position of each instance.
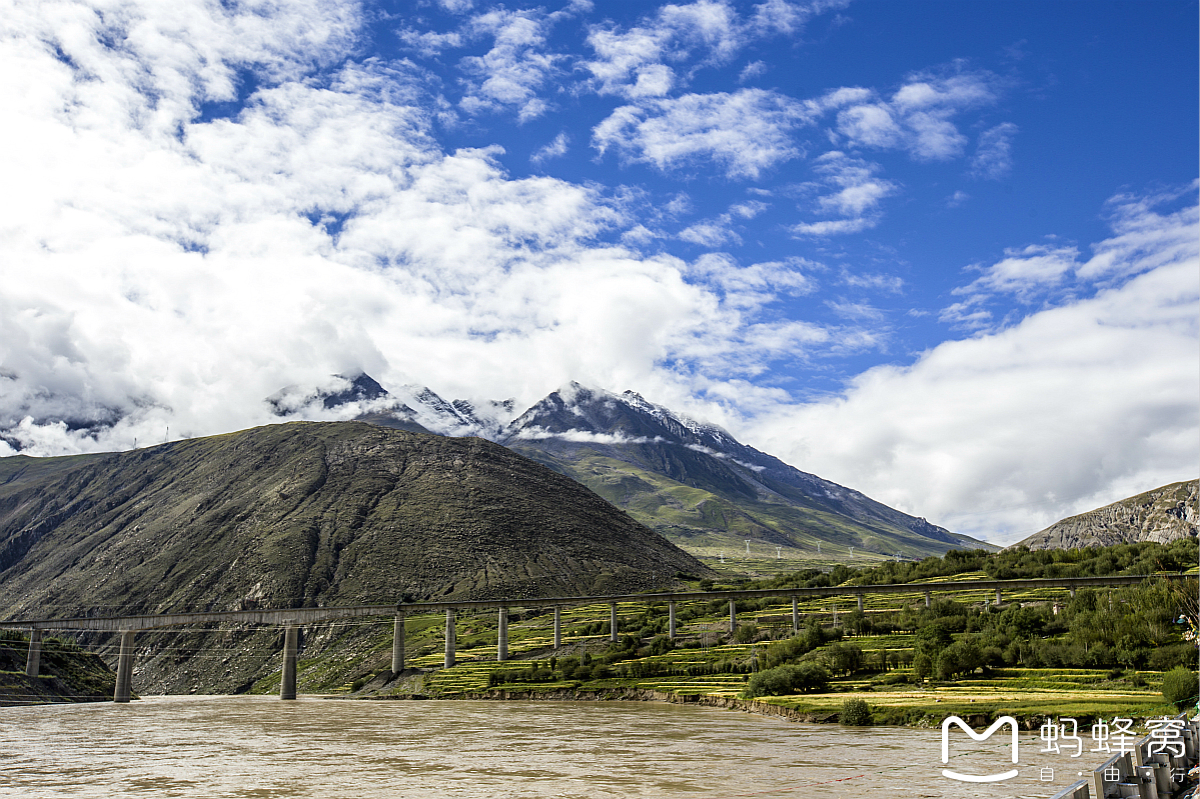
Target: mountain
(308, 514)
(702, 489)
(690, 481)
(1164, 514)
(301, 514)
(411, 407)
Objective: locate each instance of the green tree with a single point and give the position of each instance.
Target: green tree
(922, 666)
(855, 713)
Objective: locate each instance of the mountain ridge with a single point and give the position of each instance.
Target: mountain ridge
(692, 481)
(1163, 514)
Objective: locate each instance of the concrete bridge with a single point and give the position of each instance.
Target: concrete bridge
(291, 619)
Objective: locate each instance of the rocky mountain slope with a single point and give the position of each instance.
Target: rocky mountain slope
(301, 514)
(307, 514)
(1163, 515)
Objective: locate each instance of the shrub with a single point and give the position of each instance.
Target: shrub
(784, 680)
(855, 713)
(1180, 687)
(745, 633)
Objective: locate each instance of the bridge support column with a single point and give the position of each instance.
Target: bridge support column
(860, 603)
(732, 616)
(123, 690)
(33, 660)
(612, 621)
(398, 644)
(502, 636)
(671, 620)
(997, 596)
(1072, 592)
(557, 627)
(795, 616)
(451, 640)
(287, 678)
(928, 599)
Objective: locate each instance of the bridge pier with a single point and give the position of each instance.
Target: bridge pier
(557, 626)
(450, 638)
(1072, 592)
(123, 690)
(612, 622)
(997, 596)
(671, 620)
(928, 599)
(502, 636)
(795, 616)
(398, 644)
(287, 677)
(33, 660)
(732, 616)
(860, 603)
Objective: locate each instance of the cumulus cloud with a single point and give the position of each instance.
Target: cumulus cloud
(744, 132)
(166, 271)
(918, 118)
(1072, 407)
(513, 71)
(665, 48)
(630, 62)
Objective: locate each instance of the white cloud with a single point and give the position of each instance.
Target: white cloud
(856, 195)
(710, 234)
(535, 433)
(1026, 272)
(752, 71)
(745, 133)
(555, 149)
(956, 199)
(993, 157)
(877, 282)
(668, 46)
(917, 118)
(164, 271)
(1071, 408)
(1145, 239)
(514, 70)
(629, 61)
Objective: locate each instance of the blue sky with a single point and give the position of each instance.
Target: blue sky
(942, 252)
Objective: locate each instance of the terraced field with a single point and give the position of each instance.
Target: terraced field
(707, 662)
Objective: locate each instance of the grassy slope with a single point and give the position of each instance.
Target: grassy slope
(707, 523)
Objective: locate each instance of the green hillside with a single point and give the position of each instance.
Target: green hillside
(782, 525)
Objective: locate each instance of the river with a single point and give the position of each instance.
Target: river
(333, 749)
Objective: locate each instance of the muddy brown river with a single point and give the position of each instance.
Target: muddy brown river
(260, 747)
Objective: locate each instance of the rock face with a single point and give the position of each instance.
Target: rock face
(308, 514)
(1163, 515)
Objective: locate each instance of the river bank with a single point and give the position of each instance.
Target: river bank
(818, 709)
(66, 673)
